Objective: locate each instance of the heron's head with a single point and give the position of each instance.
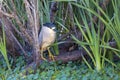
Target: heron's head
(50, 25)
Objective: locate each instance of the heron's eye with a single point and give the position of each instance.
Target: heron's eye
(53, 28)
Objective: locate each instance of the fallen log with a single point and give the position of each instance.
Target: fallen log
(70, 56)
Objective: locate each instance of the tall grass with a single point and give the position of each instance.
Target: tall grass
(3, 48)
(95, 45)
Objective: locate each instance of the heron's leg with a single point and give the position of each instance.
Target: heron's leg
(50, 54)
(41, 53)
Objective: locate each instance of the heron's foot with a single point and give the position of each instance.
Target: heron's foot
(52, 57)
(41, 54)
(43, 57)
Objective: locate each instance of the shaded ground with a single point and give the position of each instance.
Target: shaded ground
(52, 71)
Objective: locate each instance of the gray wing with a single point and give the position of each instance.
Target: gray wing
(40, 38)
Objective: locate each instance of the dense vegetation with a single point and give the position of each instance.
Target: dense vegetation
(87, 43)
(52, 71)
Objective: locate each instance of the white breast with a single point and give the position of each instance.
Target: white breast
(46, 37)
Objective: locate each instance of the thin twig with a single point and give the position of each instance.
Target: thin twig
(6, 14)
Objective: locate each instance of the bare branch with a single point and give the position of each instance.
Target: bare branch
(26, 36)
(35, 33)
(29, 9)
(6, 14)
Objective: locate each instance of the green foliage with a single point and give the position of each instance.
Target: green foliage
(53, 71)
(93, 43)
(3, 48)
(44, 11)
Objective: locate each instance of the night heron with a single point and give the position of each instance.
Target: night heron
(46, 38)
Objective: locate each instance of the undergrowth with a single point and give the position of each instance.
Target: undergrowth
(54, 71)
